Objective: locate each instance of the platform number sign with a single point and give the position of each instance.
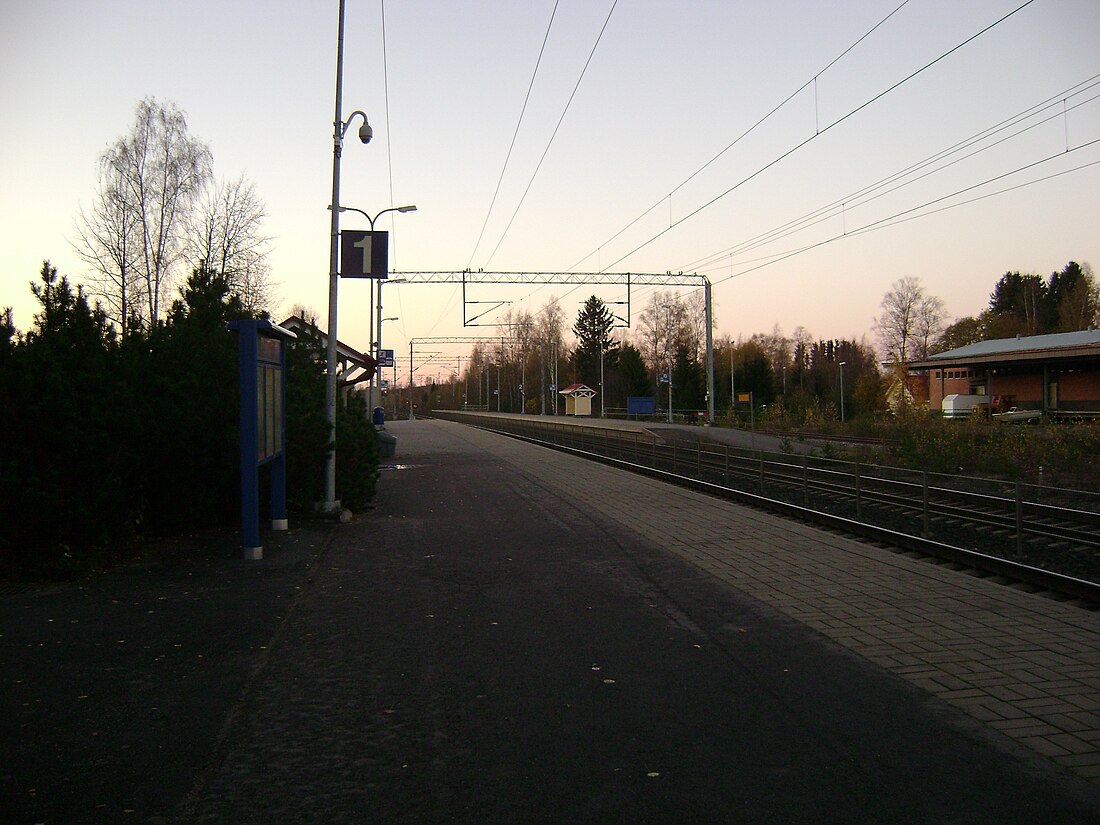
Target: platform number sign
(364, 254)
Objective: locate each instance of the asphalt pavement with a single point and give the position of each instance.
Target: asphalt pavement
(481, 646)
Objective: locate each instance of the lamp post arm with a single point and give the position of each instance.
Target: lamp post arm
(347, 123)
(361, 212)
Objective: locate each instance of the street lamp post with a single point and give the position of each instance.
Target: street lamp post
(339, 130)
(603, 409)
(668, 347)
(378, 343)
(842, 363)
(378, 367)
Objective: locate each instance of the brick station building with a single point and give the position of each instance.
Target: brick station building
(1058, 374)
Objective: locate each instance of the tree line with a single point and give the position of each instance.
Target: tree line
(535, 356)
(913, 324)
(1025, 304)
(798, 378)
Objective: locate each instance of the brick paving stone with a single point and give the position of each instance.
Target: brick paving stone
(1088, 771)
(1024, 727)
(985, 713)
(959, 695)
(1087, 720)
(1044, 746)
(1071, 743)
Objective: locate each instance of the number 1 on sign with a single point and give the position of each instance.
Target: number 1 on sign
(365, 245)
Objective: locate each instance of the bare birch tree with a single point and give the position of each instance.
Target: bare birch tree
(664, 326)
(549, 331)
(224, 234)
(107, 240)
(149, 180)
(695, 305)
(931, 315)
(909, 321)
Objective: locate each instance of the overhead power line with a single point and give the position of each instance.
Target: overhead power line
(893, 87)
(550, 142)
(887, 185)
(515, 134)
(906, 215)
(744, 134)
(871, 192)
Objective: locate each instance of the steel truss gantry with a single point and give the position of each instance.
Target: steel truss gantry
(627, 279)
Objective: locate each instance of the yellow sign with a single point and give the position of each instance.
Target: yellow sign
(744, 396)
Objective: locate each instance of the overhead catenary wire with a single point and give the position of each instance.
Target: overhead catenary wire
(909, 214)
(553, 135)
(887, 185)
(729, 146)
(515, 134)
(863, 196)
(842, 119)
(389, 157)
(743, 135)
(906, 215)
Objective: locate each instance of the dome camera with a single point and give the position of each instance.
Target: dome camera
(365, 132)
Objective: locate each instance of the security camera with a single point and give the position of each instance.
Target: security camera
(365, 132)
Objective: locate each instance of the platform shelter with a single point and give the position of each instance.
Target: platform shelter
(578, 399)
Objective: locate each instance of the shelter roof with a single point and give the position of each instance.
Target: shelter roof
(351, 358)
(578, 391)
(343, 351)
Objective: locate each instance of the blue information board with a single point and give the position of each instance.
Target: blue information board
(262, 346)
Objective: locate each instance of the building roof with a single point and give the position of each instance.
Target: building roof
(1059, 345)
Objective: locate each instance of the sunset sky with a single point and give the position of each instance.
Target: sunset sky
(625, 184)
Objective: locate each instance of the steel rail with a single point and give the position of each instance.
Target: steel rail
(985, 509)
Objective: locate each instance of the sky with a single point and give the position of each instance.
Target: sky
(682, 137)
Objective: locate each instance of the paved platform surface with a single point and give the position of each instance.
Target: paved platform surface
(516, 635)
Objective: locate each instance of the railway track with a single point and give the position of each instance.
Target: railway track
(989, 527)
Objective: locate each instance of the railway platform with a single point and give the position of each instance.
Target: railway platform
(516, 634)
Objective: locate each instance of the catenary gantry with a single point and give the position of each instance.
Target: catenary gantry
(627, 279)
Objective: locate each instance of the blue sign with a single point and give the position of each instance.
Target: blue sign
(385, 358)
(364, 254)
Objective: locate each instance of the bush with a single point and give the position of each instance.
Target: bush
(307, 437)
(356, 453)
(1058, 454)
(64, 466)
(307, 428)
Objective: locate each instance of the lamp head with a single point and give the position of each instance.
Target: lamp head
(406, 209)
(365, 131)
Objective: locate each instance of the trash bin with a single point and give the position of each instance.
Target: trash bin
(379, 417)
(387, 444)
